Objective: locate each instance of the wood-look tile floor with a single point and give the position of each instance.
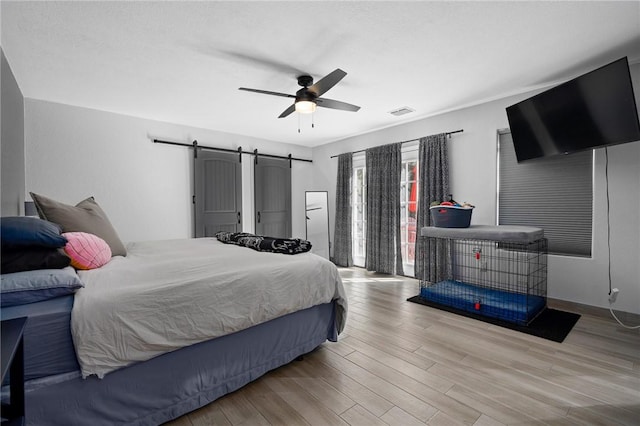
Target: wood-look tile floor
(400, 363)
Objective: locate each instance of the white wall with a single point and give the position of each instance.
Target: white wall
(145, 188)
(12, 142)
(473, 178)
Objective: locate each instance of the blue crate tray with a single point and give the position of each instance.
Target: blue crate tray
(513, 307)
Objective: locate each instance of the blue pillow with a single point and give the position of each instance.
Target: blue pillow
(21, 288)
(25, 231)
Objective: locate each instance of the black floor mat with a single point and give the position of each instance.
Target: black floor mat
(551, 324)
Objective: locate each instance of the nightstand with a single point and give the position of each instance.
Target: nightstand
(13, 362)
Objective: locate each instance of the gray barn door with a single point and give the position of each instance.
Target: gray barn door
(273, 197)
(218, 195)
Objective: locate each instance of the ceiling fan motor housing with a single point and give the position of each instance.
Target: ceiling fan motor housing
(305, 94)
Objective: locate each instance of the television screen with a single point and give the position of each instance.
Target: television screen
(590, 111)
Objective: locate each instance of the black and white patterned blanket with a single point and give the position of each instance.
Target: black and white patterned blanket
(268, 244)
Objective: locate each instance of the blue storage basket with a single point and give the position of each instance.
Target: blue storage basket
(451, 216)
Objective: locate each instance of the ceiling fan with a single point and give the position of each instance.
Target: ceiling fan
(308, 98)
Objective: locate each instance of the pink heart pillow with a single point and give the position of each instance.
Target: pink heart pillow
(87, 251)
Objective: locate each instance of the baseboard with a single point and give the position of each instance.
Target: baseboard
(579, 308)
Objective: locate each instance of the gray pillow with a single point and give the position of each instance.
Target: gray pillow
(21, 288)
(86, 216)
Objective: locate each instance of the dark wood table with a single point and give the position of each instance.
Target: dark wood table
(12, 352)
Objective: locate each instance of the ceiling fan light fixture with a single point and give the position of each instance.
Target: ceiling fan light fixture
(305, 107)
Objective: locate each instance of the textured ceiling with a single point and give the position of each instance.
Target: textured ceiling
(182, 62)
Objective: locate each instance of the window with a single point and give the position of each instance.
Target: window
(408, 207)
(359, 209)
(553, 193)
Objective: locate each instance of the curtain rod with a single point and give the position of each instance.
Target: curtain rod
(235, 151)
(410, 140)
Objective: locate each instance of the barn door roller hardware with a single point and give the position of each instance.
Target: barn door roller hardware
(239, 151)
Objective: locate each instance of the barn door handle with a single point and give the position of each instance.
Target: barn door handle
(258, 217)
(238, 218)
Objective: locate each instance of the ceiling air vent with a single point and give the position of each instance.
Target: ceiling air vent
(401, 111)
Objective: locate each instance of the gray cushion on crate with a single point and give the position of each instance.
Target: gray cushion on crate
(511, 233)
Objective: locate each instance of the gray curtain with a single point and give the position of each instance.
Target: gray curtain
(384, 164)
(342, 233)
(432, 258)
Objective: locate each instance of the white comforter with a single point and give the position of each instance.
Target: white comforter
(165, 295)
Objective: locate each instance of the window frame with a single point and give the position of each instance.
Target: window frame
(409, 155)
(359, 163)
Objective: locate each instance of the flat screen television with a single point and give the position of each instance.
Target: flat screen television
(594, 110)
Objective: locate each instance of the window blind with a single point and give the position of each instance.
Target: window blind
(553, 193)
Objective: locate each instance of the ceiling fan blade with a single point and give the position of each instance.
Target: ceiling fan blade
(254, 59)
(327, 82)
(287, 111)
(330, 103)
(266, 92)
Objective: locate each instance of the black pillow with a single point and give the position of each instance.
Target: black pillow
(28, 259)
(25, 231)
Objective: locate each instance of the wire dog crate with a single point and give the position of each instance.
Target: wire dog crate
(493, 271)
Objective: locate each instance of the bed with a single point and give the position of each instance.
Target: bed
(171, 327)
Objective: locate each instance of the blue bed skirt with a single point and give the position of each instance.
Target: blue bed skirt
(170, 385)
(513, 307)
(48, 343)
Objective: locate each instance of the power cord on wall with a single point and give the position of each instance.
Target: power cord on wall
(613, 293)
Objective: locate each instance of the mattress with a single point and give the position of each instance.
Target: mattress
(508, 306)
(48, 344)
